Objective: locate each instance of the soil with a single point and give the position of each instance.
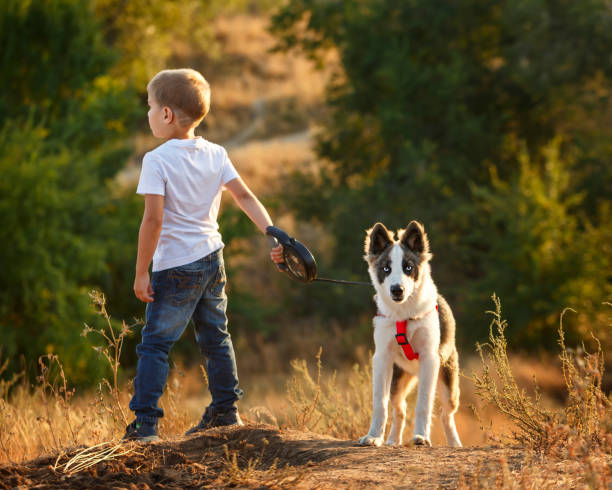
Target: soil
(262, 456)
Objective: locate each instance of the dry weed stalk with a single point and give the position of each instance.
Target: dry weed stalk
(588, 409)
(61, 395)
(586, 422)
(532, 420)
(330, 407)
(112, 350)
(304, 397)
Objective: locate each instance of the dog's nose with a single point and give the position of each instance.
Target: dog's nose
(397, 291)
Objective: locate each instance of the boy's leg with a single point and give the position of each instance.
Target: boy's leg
(176, 292)
(215, 341)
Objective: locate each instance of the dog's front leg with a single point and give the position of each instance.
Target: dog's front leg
(429, 365)
(382, 368)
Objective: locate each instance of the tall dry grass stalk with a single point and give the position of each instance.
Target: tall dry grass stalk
(497, 385)
(585, 423)
(50, 392)
(111, 352)
(588, 409)
(332, 406)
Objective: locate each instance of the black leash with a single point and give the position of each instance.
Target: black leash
(299, 262)
(340, 281)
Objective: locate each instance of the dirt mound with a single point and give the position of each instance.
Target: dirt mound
(265, 457)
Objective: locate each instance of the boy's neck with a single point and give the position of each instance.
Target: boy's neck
(183, 135)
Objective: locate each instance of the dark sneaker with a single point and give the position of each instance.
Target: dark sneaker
(212, 419)
(141, 432)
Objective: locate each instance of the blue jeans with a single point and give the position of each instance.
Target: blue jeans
(194, 291)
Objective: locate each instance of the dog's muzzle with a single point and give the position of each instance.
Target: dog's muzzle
(397, 292)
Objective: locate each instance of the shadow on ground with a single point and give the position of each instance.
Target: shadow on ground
(262, 456)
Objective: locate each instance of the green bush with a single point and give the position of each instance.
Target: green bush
(61, 126)
(444, 113)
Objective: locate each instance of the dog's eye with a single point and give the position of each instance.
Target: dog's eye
(387, 269)
(408, 269)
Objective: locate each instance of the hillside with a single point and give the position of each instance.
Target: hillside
(261, 456)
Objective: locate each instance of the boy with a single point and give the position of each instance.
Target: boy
(182, 181)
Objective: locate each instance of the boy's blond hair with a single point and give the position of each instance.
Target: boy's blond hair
(185, 91)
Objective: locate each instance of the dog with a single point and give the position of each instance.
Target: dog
(421, 349)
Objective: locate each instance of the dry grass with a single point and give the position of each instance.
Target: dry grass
(307, 396)
(339, 407)
(240, 471)
(577, 435)
(586, 420)
(80, 430)
(588, 411)
(534, 422)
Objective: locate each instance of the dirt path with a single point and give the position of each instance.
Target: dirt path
(260, 456)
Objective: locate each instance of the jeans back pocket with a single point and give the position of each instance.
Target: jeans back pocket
(185, 285)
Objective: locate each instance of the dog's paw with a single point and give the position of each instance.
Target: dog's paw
(393, 442)
(419, 441)
(370, 441)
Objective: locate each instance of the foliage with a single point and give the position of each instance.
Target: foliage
(46, 253)
(443, 112)
(52, 50)
(60, 145)
(546, 253)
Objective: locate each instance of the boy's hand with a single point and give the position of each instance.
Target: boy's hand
(276, 254)
(142, 288)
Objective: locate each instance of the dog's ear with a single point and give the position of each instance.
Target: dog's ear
(377, 240)
(415, 238)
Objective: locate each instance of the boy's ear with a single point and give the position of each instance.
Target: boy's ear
(168, 115)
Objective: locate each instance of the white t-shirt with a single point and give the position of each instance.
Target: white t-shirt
(190, 174)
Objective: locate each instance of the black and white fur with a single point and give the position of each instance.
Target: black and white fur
(400, 272)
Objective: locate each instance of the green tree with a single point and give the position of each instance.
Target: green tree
(61, 133)
(432, 97)
(551, 256)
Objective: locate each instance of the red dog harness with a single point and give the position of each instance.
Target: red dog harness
(401, 328)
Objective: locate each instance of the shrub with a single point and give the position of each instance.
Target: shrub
(585, 424)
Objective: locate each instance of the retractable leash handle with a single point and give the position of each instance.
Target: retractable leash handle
(299, 262)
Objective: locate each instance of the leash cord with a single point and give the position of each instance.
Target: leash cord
(340, 281)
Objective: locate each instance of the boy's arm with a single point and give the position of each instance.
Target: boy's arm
(150, 229)
(247, 201)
